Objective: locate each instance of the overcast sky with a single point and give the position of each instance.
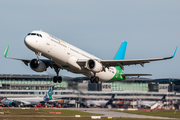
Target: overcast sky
(151, 28)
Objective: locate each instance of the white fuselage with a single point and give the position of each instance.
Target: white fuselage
(100, 103)
(24, 101)
(146, 103)
(64, 54)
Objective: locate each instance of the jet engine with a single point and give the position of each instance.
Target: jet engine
(94, 66)
(38, 65)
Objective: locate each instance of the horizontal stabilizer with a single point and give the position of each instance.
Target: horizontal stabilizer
(123, 75)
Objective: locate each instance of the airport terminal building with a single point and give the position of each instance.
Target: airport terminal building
(136, 88)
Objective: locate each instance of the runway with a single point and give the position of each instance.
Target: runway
(112, 113)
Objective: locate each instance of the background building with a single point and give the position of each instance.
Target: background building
(80, 87)
(43, 82)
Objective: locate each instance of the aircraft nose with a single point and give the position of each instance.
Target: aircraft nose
(27, 41)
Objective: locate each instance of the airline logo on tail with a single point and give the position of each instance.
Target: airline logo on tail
(111, 100)
(48, 96)
(163, 99)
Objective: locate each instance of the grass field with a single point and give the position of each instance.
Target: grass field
(161, 113)
(43, 114)
(65, 118)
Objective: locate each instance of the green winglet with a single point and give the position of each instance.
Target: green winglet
(5, 53)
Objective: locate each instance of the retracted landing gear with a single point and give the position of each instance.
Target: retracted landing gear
(57, 78)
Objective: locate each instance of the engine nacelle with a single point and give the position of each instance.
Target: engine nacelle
(94, 66)
(38, 65)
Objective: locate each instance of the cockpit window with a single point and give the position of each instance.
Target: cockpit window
(39, 35)
(33, 34)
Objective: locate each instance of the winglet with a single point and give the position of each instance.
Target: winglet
(175, 52)
(5, 53)
(121, 52)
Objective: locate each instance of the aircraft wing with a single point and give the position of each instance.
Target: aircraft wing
(121, 63)
(26, 61)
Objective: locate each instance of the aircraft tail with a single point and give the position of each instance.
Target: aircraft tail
(159, 103)
(48, 96)
(111, 100)
(163, 98)
(121, 52)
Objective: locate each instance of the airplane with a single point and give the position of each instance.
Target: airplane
(29, 100)
(62, 55)
(152, 104)
(100, 103)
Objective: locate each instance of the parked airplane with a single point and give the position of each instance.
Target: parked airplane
(65, 56)
(153, 104)
(28, 100)
(99, 103)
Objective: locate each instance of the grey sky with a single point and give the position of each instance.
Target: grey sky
(151, 28)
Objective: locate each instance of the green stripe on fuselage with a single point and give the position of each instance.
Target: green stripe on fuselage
(117, 76)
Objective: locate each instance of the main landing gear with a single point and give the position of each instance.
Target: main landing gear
(57, 78)
(56, 68)
(94, 79)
